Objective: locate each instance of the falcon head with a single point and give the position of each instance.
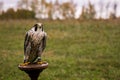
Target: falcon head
(38, 27)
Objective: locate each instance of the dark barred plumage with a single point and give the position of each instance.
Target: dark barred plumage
(35, 43)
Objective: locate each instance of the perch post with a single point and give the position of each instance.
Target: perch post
(33, 70)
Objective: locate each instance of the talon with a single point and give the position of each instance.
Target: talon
(22, 64)
(39, 62)
(25, 64)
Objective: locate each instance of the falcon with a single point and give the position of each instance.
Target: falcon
(34, 44)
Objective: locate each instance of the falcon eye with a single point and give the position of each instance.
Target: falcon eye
(35, 28)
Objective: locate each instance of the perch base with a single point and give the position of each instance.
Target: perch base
(33, 70)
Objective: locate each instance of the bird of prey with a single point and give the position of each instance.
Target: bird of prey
(34, 44)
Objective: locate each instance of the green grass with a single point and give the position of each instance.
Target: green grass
(87, 50)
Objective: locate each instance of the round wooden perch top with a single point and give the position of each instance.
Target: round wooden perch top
(33, 66)
(33, 70)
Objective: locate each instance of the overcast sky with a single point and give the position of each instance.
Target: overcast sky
(79, 3)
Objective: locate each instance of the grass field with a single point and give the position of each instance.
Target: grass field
(86, 50)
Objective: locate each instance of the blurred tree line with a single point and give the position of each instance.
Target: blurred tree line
(41, 9)
(19, 14)
(88, 13)
(49, 10)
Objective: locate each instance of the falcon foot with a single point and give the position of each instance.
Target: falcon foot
(41, 62)
(25, 64)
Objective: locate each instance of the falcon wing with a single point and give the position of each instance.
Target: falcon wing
(44, 41)
(42, 44)
(26, 42)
